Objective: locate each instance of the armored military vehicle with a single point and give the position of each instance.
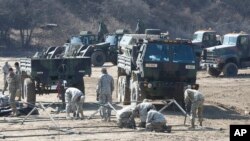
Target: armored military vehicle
(152, 68)
(40, 75)
(105, 51)
(234, 53)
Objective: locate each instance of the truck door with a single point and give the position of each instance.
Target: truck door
(243, 44)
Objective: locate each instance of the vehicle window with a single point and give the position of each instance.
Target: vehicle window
(183, 53)
(243, 42)
(111, 39)
(75, 40)
(229, 40)
(197, 37)
(157, 52)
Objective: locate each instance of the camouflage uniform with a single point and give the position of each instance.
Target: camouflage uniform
(18, 75)
(5, 73)
(155, 121)
(142, 109)
(105, 88)
(74, 99)
(197, 100)
(125, 117)
(12, 81)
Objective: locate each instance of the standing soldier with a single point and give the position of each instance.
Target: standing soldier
(5, 69)
(125, 118)
(156, 122)
(102, 30)
(74, 99)
(196, 99)
(142, 109)
(139, 27)
(60, 92)
(105, 87)
(18, 75)
(12, 81)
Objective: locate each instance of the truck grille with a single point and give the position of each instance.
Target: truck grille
(210, 57)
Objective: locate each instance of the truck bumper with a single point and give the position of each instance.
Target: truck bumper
(208, 65)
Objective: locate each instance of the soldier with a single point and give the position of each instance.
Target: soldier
(104, 89)
(139, 27)
(5, 69)
(196, 99)
(74, 99)
(12, 81)
(125, 118)
(156, 122)
(102, 30)
(142, 109)
(60, 92)
(18, 75)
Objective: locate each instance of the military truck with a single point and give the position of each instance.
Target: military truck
(234, 53)
(152, 68)
(105, 51)
(40, 75)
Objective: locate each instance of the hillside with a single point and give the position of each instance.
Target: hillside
(180, 17)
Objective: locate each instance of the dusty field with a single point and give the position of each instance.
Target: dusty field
(227, 100)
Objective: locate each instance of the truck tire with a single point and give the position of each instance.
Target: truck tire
(230, 70)
(125, 97)
(113, 58)
(135, 94)
(214, 72)
(29, 91)
(98, 58)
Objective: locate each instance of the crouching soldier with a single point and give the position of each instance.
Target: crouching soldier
(142, 110)
(74, 99)
(156, 122)
(196, 99)
(125, 118)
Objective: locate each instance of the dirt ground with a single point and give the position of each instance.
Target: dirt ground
(227, 102)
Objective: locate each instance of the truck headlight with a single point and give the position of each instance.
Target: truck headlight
(150, 85)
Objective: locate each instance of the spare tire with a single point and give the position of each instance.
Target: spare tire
(230, 70)
(98, 58)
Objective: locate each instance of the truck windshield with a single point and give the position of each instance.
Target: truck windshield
(156, 52)
(75, 40)
(183, 53)
(229, 40)
(111, 39)
(197, 37)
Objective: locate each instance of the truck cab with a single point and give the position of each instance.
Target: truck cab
(234, 53)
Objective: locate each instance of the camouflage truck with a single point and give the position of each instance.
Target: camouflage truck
(234, 53)
(40, 75)
(152, 68)
(105, 51)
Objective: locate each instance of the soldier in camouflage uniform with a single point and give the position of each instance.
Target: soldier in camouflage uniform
(125, 117)
(5, 69)
(197, 100)
(12, 81)
(142, 109)
(156, 122)
(104, 89)
(18, 75)
(74, 99)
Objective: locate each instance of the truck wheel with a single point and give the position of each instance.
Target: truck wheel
(29, 91)
(98, 58)
(135, 94)
(214, 72)
(230, 70)
(113, 58)
(120, 89)
(125, 92)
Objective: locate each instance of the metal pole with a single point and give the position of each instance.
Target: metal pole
(29, 114)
